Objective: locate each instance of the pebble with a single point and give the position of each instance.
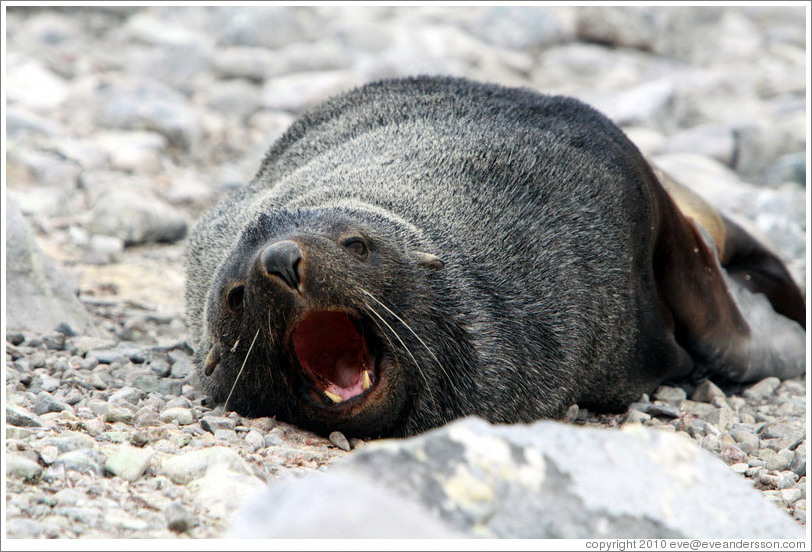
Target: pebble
(82, 460)
(127, 394)
(668, 394)
(706, 392)
(762, 389)
(780, 461)
(128, 462)
(20, 417)
(21, 467)
(255, 440)
(178, 518)
(664, 410)
(213, 423)
(189, 466)
(746, 440)
(339, 440)
(106, 356)
(182, 415)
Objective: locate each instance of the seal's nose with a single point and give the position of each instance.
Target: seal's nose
(282, 259)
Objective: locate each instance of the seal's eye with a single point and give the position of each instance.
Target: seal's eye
(235, 296)
(357, 247)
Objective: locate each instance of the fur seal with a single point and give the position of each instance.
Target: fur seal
(421, 249)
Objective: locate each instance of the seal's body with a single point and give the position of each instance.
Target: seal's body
(422, 249)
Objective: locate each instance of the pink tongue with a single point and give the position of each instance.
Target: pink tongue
(348, 381)
(329, 346)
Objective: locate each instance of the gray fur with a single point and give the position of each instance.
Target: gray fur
(538, 211)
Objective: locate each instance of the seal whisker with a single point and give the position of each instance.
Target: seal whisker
(234, 385)
(431, 396)
(417, 364)
(439, 364)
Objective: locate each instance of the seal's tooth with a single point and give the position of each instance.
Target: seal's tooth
(212, 359)
(367, 381)
(333, 397)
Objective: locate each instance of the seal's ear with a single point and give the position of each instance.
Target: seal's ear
(427, 260)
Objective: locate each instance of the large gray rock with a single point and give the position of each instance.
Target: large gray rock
(546, 480)
(137, 218)
(38, 295)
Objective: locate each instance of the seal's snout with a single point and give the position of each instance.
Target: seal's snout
(282, 259)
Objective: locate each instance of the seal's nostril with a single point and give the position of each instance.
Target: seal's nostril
(282, 259)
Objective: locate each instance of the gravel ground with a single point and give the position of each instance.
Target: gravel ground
(124, 124)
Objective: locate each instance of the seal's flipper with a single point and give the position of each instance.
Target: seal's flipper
(753, 267)
(728, 327)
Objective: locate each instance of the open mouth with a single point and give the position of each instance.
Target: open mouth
(332, 350)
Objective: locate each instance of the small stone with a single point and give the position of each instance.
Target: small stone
(635, 417)
(55, 342)
(178, 402)
(128, 462)
(49, 454)
(15, 338)
(706, 391)
(798, 464)
(722, 418)
(20, 417)
(273, 440)
(745, 440)
(663, 410)
(672, 395)
(572, 413)
(263, 425)
(762, 389)
(786, 479)
(340, 441)
(183, 416)
(711, 443)
(740, 467)
(117, 414)
(106, 356)
(227, 435)
(73, 397)
(733, 455)
(698, 409)
(184, 468)
(97, 382)
(25, 528)
(780, 461)
(81, 460)
(20, 467)
(178, 518)
(126, 394)
(255, 440)
(69, 441)
(45, 403)
(147, 417)
(213, 423)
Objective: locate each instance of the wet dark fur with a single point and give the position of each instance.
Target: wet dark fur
(541, 210)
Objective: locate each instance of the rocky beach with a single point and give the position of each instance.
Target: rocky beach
(124, 124)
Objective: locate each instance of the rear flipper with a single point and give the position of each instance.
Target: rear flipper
(775, 346)
(744, 322)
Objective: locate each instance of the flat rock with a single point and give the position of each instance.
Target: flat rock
(128, 462)
(507, 481)
(137, 217)
(39, 297)
(192, 465)
(20, 467)
(20, 417)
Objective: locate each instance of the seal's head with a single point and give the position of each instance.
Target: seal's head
(317, 317)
